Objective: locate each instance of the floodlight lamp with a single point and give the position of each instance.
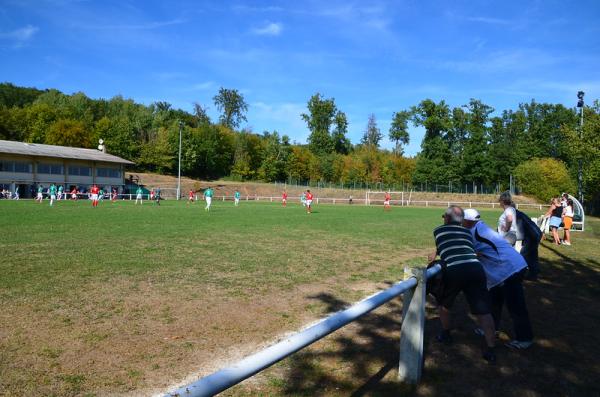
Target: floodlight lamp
(580, 94)
(101, 141)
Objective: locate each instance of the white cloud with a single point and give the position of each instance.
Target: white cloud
(202, 86)
(246, 8)
(283, 117)
(270, 29)
(169, 76)
(503, 61)
(136, 26)
(492, 21)
(20, 36)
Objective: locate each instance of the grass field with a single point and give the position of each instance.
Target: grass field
(130, 299)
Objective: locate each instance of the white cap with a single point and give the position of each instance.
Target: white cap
(472, 214)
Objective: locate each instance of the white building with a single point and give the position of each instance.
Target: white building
(28, 165)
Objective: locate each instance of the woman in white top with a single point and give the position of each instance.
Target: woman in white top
(507, 223)
(567, 218)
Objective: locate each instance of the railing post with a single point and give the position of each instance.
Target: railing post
(413, 328)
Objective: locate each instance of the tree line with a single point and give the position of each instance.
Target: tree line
(465, 144)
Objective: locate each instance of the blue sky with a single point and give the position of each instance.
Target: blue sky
(371, 56)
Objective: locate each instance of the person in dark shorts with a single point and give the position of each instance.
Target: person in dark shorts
(157, 195)
(504, 269)
(462, 272)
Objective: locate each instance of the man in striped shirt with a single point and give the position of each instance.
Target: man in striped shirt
(462, 271)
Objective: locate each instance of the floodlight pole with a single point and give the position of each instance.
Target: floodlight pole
(581, 105)
(179, 167)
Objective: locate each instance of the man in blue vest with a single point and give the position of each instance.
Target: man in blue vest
(504, 269)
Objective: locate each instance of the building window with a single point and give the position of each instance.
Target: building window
(14, 166)
(54, 169)
(22, 167)
(108, 173)
(81, 171)
(7, 166)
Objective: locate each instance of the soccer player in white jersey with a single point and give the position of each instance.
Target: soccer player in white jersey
(208, 195)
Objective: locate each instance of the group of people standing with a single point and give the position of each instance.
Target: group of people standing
(561, 212)
(486, 265)
(57, 193)
(9, 195)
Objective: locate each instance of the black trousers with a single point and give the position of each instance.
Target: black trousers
(529, 251)
(511, 292)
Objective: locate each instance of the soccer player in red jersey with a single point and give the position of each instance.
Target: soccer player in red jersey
(94, 191)
(309, 199)
(191, 197)
(284, 198)
(386, 203)
(114, 195)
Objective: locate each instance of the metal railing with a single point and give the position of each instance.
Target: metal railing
(330, 200)
(411, 338)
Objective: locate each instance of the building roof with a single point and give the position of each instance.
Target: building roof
(64, 152)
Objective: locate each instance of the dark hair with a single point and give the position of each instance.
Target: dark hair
(570, 202)
(506, 198)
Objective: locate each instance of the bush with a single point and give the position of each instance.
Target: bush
(544, 178)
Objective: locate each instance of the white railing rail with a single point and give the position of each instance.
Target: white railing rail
(411, 338)
(330, 200)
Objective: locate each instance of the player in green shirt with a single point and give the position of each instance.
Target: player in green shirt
(101, 195)
(138, 195)
(208, 194)
(236, 197)
(157, 195)
(60, 193)
(40, 194)
(52, 193)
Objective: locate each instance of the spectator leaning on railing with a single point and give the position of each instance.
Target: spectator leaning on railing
(504, 268)
(461, 271)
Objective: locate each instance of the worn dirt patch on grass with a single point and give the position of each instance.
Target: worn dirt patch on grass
(134, 336)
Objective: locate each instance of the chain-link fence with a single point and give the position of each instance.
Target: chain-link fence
(431, 187)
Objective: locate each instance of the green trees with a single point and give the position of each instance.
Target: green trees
(341, 144)
(583, 145)
(544, 178)
(67, 132)
(322, 115)
(372, 135)
(232, 106)
(248, 153)
(475, 160)
(434, 163)
(276, 153)
(468, 144)
(398, 132)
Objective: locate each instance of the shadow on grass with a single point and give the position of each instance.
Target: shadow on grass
(362, 359)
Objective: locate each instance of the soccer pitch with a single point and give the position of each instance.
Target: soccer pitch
(123, 297)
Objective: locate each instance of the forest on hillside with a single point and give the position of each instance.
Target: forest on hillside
(540, 144)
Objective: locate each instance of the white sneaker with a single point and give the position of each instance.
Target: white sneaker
(519, 345)
(566, 243)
